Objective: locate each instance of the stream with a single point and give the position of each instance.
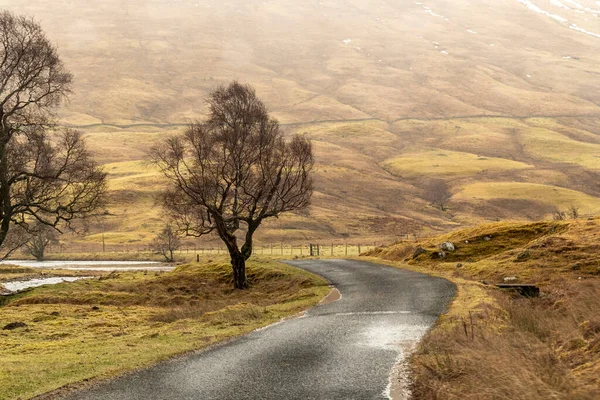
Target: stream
(92, 265)
(108, 266)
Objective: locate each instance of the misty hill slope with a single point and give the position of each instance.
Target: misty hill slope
(501, 99)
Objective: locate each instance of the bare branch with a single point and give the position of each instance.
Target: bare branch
(233, 171)
(47, 177)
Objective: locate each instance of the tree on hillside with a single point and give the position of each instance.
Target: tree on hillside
(167, 242)
(573, 211)
(233, 171)
(437, 193)
(46, 176)
(41, 237)
(559, 215)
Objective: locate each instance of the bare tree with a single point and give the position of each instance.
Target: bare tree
(233, 171)
(573, 211)
(40, 239)
(437, 193)
(559, 215)
(167, 242)
(46, 176)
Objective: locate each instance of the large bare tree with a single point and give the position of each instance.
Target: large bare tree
(47, 175)
(437, 193)
(231, 172)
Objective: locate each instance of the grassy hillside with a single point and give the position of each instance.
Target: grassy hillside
(393, 94)
(497, 345)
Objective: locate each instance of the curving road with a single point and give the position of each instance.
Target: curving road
(341, 350)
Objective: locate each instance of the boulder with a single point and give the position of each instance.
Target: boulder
(420, 250)
(438, 254)
(524, 255)
(447, 246)
(14, 325)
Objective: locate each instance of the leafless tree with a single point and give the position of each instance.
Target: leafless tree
(167, 242)
(233, 171)
(41, 237)
(437, 193)
(573, 211)
(46, 176)
(559, 215)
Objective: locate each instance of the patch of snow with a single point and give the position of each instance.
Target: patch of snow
(347, 41)
(580, 7)
(538, 10)
(444, 52)
(471, 31)
(559, 4)
(578, 29)
(430, 11)
(571, 25)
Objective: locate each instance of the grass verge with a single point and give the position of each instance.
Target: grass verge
(498, 345)
(99, 328)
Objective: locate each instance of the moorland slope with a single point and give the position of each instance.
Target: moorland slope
(500, 99)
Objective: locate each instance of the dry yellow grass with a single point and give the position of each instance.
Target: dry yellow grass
(552, 195)
(543, 144)
(367, 82)
(496, 345)
(443, 163)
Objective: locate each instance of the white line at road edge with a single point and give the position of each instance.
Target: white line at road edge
(398, 387)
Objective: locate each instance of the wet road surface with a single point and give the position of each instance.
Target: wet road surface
(341, 350)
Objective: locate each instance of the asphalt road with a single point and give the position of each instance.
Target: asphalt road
(342, 350)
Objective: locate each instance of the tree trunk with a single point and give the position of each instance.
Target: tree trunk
(238, 263)
(5, 202)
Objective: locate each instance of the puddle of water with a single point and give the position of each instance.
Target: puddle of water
(402, 339)
(109, 269)
(17, 286)
(92, 265)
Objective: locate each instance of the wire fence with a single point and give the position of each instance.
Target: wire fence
(272, 249)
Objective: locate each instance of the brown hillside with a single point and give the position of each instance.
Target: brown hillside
(499, 100)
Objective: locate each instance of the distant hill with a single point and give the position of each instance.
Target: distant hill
(501, 99)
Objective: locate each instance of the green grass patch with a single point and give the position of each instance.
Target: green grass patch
(106, 326)
(553, 195)
(447, 163)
